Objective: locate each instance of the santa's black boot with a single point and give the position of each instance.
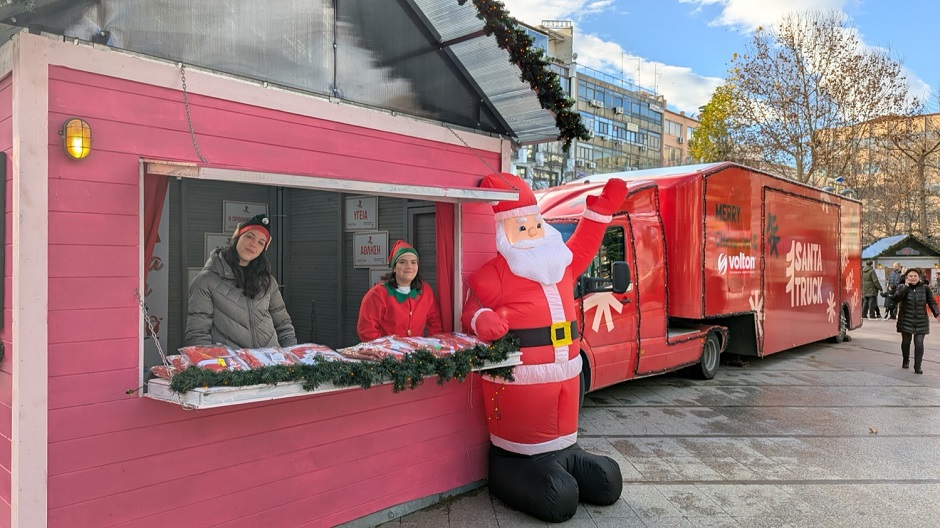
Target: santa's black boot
(598, 476)
(538, 485)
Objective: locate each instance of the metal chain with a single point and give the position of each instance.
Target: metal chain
(477, 154)
(189, 117)
(150, 328)
(156, 341)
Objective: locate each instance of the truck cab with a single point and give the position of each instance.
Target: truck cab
(627, 334)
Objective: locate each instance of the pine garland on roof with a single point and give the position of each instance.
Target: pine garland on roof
(535, 69)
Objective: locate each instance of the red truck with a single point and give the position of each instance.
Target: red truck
(705, 259)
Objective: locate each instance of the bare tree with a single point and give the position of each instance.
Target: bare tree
(917, 138)
(803, 90)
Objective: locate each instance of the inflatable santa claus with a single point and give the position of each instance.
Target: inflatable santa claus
(536, 465)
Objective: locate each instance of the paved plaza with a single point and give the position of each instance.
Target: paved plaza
(823, 435)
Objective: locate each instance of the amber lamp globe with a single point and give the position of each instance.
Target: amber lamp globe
(76, 137)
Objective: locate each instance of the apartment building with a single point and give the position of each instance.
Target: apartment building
(626, 121)
(677, 134)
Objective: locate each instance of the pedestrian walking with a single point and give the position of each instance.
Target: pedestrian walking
(913, 298)
(894, 278)
(870, 288)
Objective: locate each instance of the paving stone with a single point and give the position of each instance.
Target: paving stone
(821, 436)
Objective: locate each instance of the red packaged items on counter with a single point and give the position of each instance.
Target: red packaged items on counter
(306, 353)
(432, 344)
(377, 349)
(178, 363)
(216, 358)
(264, 357)
(455, 341)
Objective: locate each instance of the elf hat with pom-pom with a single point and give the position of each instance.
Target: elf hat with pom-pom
(260, 223)
(503, 181)
(400, 248)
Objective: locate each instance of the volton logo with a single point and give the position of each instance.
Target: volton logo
(736, 263)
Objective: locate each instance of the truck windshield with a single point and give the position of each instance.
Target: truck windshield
(564, 228)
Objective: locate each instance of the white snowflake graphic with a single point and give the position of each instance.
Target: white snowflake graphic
(757, 304)
(831, 311)
(854, 301)
(850, 282)
(603, 302)
(844, 258)
(825, 206)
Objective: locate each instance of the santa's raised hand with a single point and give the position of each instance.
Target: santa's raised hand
(610, 199)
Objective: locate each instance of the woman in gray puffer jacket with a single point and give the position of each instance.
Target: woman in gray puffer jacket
(234, 300)
(913, 297)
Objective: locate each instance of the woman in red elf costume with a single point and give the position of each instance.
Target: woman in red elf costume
(401, 303)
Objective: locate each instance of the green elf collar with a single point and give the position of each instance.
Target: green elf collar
(399, 296)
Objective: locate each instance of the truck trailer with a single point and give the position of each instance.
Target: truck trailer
(720, 258)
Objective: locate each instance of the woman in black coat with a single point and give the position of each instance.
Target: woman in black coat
(913, 297)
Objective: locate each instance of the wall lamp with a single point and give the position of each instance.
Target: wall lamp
(76, 138)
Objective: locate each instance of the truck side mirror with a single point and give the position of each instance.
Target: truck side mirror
(621, 276)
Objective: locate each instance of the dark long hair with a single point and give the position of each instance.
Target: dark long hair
(252, 279)
(389, 278)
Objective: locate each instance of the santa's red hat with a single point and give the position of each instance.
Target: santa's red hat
(400, 248)
(503, 181)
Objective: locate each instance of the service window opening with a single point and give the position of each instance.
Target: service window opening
(311, 253)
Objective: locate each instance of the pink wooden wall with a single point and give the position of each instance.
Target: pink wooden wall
(6, 334)
(479, 237)
(119, 460)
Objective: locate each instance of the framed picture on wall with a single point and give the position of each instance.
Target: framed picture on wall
(376, 274)
(370, 249)
(214, 240)
(362, 213)
(234, 213)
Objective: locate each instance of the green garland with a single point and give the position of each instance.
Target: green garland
(406, 373)
(535, 69)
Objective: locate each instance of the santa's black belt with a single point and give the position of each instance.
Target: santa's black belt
(559, 334)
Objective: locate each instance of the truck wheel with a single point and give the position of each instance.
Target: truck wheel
(843, 328)
(708, 365)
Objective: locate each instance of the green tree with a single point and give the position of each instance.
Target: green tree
(712, 140)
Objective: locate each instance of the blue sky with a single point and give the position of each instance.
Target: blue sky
(683, 48)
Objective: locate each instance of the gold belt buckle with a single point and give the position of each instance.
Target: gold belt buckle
(565, 340)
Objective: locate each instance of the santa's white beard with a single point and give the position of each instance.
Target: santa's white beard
(543, 260)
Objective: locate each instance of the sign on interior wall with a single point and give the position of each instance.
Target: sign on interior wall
(233, 213)
(214, 240)
(362, 212)
(370, 249)
(376, 274)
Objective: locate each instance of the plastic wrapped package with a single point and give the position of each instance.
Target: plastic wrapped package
(265, 357)
(377, 349)
(178, 363)
(214, 357)
(445, 344)
(432, 344)
(455, 341)
(308, 352)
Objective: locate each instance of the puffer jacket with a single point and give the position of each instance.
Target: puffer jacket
(893, 280)
(221, 313)
(912, 308)
(870, 284)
